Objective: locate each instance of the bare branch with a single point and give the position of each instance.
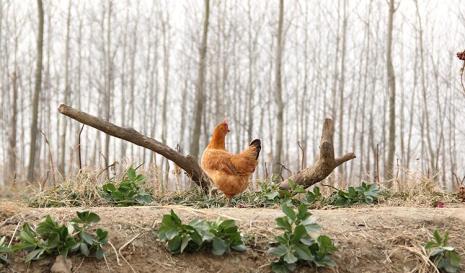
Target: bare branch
(187, 163)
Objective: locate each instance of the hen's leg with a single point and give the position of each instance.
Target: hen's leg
(228, 201)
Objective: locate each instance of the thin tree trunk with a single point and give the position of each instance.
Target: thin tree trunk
(392, 96)
(11, 173)
(200, 86)
(61, 165)
(166, 68)
(341, 88)
(37, 88)
(278, 94)
(108, 87)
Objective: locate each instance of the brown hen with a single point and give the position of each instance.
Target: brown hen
(229, 172)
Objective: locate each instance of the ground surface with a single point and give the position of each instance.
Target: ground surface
(369, 239)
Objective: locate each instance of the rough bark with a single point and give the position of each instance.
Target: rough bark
(324, 165)
(37, 88)
(392, 96)
(200, 86)
(342, 82)
(63, 137)
(11, 173)
(278, 95)
(108, 84)
(187, 163)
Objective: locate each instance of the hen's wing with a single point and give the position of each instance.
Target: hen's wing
(242, 164)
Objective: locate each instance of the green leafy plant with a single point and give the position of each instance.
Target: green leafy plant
(363, 194)
(178, 236)
(129, 191)
(221, 236)
(51, 238)
(226, 236)
(273, 193)
(4, 250)
(300, 241)
(89, 244)
(445, 257)
(48, 238)
(311, 197)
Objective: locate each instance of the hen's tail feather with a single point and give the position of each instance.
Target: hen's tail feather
(258, 145)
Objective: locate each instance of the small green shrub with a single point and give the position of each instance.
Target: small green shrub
(221, 236)
(363, 194)
(4, 250)
(128, 192)
(296, 194)
(299, 242)
(50, 238)
(442, 255)
(226, 236)
(89, 245)
(311, 197)
(273, 193)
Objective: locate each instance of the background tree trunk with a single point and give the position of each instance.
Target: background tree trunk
(37, 88)
(10, 174)
(61, 165)
(392, 96)
(278, 147)
(200, 86)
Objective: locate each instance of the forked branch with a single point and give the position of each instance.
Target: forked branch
(325, 164)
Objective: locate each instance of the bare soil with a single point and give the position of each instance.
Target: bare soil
(369, 239)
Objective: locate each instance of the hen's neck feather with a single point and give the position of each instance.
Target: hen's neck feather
(217, 141)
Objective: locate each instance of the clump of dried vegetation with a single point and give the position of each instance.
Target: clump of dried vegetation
(418, 190)
(80, 190)
(88, 189)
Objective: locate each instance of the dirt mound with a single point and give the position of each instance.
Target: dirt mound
(369, 239)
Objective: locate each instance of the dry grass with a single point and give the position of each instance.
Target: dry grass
(417, 190)
(80, 190)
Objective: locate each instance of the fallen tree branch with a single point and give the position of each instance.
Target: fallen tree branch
(187, 163)
(325, 164)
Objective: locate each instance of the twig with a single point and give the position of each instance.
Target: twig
(106, 168)
(302, 150)
(140, 165)
(116, 253)
(326, 185)
(52, 166)
(42, 184)
(286, 168)
(14, 233)
(106, 263)
(125, 245)
(79, 266)
(79, 147)
(422, 256)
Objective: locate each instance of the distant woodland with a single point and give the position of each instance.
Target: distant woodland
(385, 71)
